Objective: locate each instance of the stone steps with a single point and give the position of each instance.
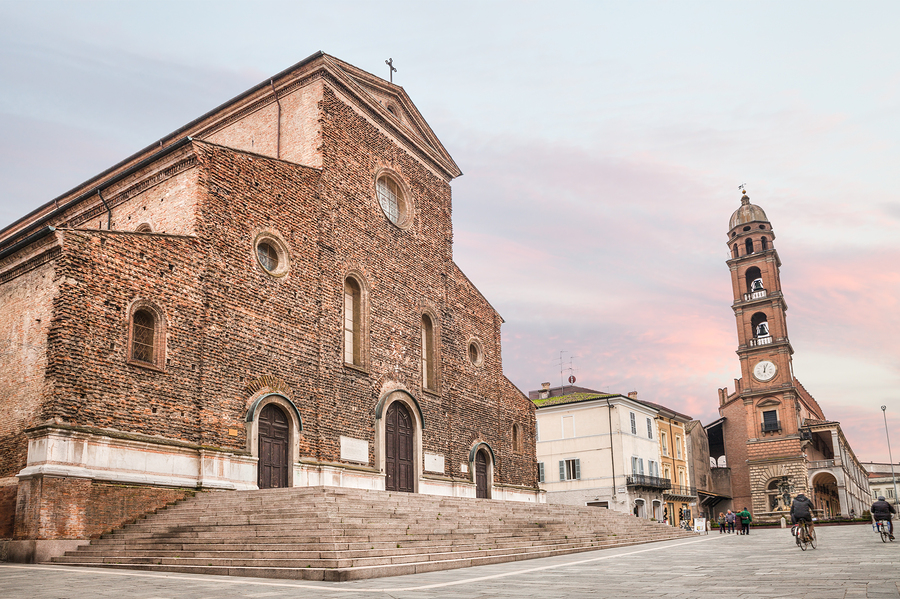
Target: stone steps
(322, 533)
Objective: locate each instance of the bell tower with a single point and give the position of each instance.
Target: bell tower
(759, 309)
(763, 439)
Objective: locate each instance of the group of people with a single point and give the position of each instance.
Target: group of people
(728, 520)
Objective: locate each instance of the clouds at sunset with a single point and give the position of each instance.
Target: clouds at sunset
(602, 146)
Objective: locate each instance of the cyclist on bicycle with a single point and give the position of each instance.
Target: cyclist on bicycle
(801, 510)
(882, 510)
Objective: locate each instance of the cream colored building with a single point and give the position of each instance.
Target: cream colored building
(600, 450)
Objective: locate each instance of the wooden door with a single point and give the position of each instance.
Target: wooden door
(481, 475)
(273, 448)
(399, 464)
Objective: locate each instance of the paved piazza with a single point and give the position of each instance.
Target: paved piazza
(851, 561)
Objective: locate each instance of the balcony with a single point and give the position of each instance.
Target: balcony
(682, 491)
(755, 295)
(760, 341)
(649, 482)
(771, 427)
(821, 464)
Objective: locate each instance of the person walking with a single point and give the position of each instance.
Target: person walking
(746, 519)
(729, 520)
(721, 523)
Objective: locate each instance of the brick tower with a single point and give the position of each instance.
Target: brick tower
(763, 439)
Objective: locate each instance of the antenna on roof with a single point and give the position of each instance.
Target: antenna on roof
(561, 386)
(390, 63)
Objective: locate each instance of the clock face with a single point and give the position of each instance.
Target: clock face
(764, 370)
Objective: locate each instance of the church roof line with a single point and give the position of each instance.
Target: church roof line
(342, 74)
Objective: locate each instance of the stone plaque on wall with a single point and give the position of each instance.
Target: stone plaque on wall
(434, 462)
(355, 450)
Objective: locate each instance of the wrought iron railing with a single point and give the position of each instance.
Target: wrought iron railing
(682, 491)
(653, 482)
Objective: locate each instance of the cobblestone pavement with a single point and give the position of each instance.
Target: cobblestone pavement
(850, 562)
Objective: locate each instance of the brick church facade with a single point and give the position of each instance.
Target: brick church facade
(266, 297)
(777, 441)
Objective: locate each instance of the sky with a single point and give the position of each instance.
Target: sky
(602, 146)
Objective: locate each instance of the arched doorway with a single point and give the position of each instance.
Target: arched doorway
(826, 496)
(482, 483)
(273, 448)
(399, 465)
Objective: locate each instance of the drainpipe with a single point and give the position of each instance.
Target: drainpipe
(612, 456)
(278, 124)
(108, 211)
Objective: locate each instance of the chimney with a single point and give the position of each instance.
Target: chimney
(632, 395)
(545, 390)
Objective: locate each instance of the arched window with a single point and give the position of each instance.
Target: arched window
(749, 245)
(517, 441)
(760, 325)
(765, 243)
(429, 361)
(353, 322)
(753, 278)
(734, 251)
(144, 228)
(146, 336)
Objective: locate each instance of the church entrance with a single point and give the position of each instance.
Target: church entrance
(399, 464)
(481, 475)
(273, 448)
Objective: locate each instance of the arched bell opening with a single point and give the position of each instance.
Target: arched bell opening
(748, 244)
(760, 325)
(753, 278)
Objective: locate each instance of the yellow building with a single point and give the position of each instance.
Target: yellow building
(681, 498)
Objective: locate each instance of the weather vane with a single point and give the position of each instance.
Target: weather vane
(390, 63)
(743, 187)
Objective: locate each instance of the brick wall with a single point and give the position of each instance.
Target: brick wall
(77, 508)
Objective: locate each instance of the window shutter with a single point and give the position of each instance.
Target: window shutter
(562, 470)
(633, 425)
(577, 469)
(641, 464)
(649, 429)
(541, 472)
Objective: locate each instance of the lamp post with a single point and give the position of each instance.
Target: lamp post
(890, 457)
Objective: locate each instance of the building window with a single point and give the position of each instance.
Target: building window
(633, 424)
(476, 354)
(516, 437)
(668, 473)
(570, 469)
(429, 360)
(271, 254)
(393, 199)
(677, 447)
(144, 228)
(653, 468)
(749, 245)
(353, 322)
(637, 465)
(146, 336)
(664, 442)
(649, 428)
(537, 430)
(770, 421)
(540, 472)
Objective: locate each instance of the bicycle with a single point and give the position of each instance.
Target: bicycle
(805, 536)
(884, 528)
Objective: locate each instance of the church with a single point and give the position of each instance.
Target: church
(264, 298)
(773, 435)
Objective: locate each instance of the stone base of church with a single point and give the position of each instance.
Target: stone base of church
(79, 483)
(36, 552)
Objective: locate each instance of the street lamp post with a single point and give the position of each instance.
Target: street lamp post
(890, 457)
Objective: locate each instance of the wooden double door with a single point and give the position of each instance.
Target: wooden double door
(274, 435)
(399, 461)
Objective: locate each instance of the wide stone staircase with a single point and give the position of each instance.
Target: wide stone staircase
(337, 534)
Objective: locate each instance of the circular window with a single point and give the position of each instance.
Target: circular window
(393, 200)
(476, 355)
(271, 254)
